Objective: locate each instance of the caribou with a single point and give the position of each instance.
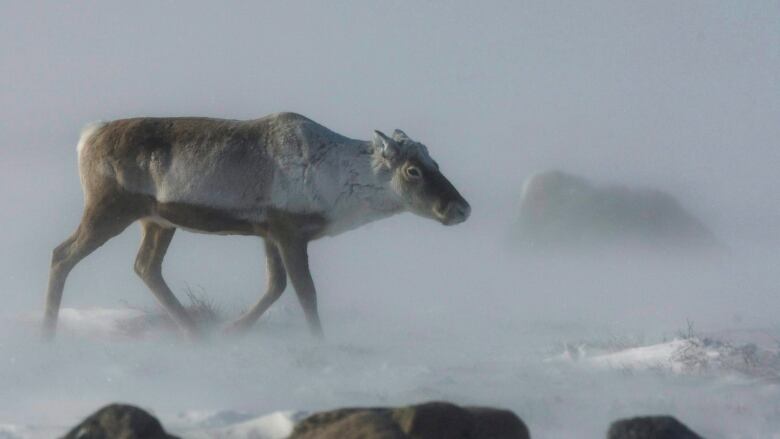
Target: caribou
(283, 177)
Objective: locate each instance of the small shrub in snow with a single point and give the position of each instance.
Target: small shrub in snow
(206, 313)
(689, 353)
(702, 354)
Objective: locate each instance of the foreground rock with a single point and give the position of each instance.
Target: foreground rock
(650, 427)
(432, 420)
(563, 210)
(119, 421)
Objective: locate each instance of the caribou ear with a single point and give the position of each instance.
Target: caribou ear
(385, 145)
(400, 136)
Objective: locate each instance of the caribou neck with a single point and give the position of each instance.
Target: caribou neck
(365, 194)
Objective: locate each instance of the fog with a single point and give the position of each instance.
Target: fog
(682, 97)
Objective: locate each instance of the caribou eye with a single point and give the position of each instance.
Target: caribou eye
(413, 172)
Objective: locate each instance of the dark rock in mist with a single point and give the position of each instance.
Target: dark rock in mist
(650, 427)
(431, 420)
(563, 210)
(119, 421)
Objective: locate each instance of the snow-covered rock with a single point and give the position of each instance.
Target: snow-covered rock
(643, 357)
(558, 209)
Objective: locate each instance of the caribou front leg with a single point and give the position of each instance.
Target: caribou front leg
(296, 261)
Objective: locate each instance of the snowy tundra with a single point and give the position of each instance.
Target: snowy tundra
(283, 177)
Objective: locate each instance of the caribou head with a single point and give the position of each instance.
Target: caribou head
(414, 177)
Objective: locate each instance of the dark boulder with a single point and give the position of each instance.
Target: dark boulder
(431, 420)
(492, 423)
(119, 421)
(347, 424)
(650, 427)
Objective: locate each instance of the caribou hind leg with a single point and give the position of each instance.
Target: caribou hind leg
(148, 266)
(277, 281)
(100, 222)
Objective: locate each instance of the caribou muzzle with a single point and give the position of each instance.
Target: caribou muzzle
(451, 208)
(454, 212)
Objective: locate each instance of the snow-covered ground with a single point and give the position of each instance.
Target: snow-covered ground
(643, 357)
(260, 385)
(569, 345)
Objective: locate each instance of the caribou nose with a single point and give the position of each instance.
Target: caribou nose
(457, 212)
